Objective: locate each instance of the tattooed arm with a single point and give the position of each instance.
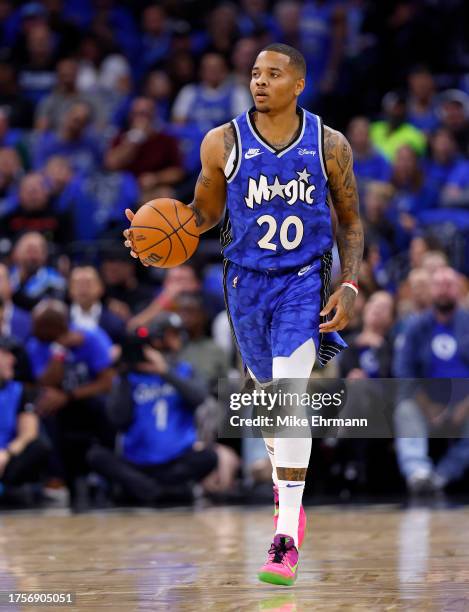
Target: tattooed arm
(210, 190)
(343, 191)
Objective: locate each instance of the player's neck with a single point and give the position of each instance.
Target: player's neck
(278, 128)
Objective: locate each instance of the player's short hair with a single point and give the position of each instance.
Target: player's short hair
(297, 59)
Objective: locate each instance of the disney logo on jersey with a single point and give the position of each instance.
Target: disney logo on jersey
(306, 152)
(297, 189)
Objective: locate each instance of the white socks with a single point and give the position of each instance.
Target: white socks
(291, 453)
(290, 495)
(269, 446)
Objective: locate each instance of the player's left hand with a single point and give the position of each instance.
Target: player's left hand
(342, 300)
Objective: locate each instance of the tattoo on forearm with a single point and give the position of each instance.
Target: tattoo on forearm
(343, 190)
(298, 474)
(350, 247)
(199, 217)
(204, 180)
(228, 141)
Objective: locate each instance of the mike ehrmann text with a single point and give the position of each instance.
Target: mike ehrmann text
(315, 420)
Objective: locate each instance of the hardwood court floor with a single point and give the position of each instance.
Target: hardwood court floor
(371, 559)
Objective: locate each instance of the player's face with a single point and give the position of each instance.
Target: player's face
(275, 84)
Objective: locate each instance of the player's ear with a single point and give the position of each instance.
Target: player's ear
(300, 85)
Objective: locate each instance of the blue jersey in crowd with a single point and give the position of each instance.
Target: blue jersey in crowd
(163, 425)
(277, 215)
(374, 167)
(459, 177)
(209, 109)
(10, 404)
(446, 360)
(82, 364)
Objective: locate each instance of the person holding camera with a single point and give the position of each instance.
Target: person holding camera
(153, 405)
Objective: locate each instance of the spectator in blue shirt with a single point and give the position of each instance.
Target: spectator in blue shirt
(322, 29)
(74, 140)
(9, 137)
(64, 186)
(456, 190)
(255, 17)
(14, 321)
(36, 74)
(155, 40)
(153, 405)
(73, 366)
(411, 194)
(444, 159)
(96, 202)
(378, 229)
(22, 451)
(368, 163)
(433, 344)
(421, 107)
(214, 100)
(287, 14)
(159, 87)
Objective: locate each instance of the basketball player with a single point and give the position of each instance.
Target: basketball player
(271, 169)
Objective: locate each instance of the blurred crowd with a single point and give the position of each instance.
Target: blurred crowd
(108, 370)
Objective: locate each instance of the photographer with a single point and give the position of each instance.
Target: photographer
(153, 405)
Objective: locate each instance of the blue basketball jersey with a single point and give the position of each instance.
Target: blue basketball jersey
(277, 215)
(163, 425)
(10, 402)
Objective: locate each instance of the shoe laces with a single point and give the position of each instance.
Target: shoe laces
(278, 551)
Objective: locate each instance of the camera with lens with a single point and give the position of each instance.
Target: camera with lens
(152, 335)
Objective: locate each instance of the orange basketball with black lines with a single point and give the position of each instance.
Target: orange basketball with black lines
(163, 233)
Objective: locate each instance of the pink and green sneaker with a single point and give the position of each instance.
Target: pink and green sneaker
(281, 566)
(301, 520)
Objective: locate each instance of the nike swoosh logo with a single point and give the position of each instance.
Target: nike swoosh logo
(303, 270)
(248, 155)
(292, 568)
(290, 486)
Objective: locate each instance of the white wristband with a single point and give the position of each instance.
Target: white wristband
(351, 287)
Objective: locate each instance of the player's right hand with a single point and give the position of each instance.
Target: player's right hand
(130, 215)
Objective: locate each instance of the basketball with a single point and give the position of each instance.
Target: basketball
(164, 233)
